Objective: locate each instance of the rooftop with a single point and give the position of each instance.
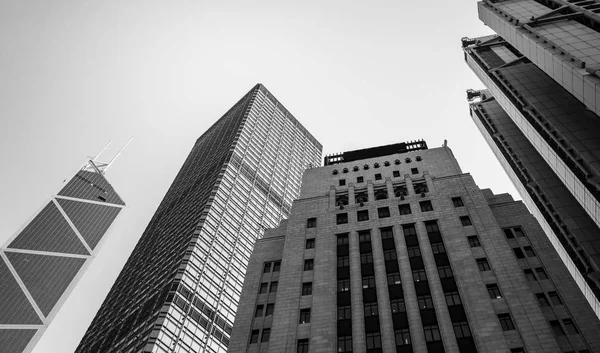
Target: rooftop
(372, 152)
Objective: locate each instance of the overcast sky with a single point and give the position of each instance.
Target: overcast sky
(76, 74)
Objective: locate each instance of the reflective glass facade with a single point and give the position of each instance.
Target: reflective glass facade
(180, 288)
(43, 260)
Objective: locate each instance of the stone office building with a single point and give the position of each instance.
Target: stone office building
(395, 249)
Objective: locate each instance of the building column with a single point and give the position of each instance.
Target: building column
(370, 191)
(356, 297)
(410, 296)
(429, 181)
(351, 194)
(390, 188)
(409, 185)
(388, 339)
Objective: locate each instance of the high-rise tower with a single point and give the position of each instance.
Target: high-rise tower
(395, 249)
(41, 263)
(541, 116)
(179, 290)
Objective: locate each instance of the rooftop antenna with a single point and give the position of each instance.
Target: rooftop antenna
(101, 167)
(99, 153)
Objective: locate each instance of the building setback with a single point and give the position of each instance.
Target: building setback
(42, 262)
(395, 249)
(179, 290)
(542, 72)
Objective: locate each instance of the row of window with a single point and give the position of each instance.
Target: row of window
(377, 165)
(273, 266)
(381, 193)
(264, 287)
(384, 212)
(395, 173)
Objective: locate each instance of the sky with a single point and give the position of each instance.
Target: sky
(77, 74)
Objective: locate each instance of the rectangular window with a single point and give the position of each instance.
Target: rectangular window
(438, 248)
(452, 298)
(311, 223)
(529, 251)
(309, 264)
(519, 253)
(389, 255)
(362, 215)
(263, 288)
(342, 182)
(414, 170)
(302, 346)
(341, 218)
(273, 288)
(541, 273)
(396, 173)
(404, 209)
(343, 285)
(426, 206)
(413, 251)
(425, 301)
(270, 309)
(383, 212)
(344, 344)
(366, 258)
(409, 229)
(419, 275)
(457, 202)
(393, 278)
(360, 179)
(494, 291)
(368, 282)
(473, 241)
(373, 340)
(506, 322)
(342, 239)
(432, 333)
(483, 264)
(508, 233)
(465, 221)
(556, 328)
(307, 288)
(518, 232)
(387, 233)
(344, 312)
(254, 336)
(371, 309)
(304, 316)
(461, 329)
(267, 267)
(529, 275)
(378, 176)
(343, 261)
(517, 350)
(542, 300)
(310, 243)
(266, 334)
(402, 337)
(570, 326)
(398, 305)
(554, 298)
(259, 311)
(364, 237)
(276, 266)
(445, 271)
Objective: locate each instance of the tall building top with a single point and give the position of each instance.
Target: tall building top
(373, 152)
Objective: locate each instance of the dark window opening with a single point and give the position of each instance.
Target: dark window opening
(309, 264)
(465, 221)
(377, 176)
(342, 182)
(483, 264)
(342, 218)
(457, 202)
(414, 170)
(426, 206)
(270, 309)
(273, 288)
(383, 212)
(494, 291)
(432, 333)
(419, 275)
(343, 285)
(311, 223)
(404, 209)
(398, 306)
(396, 173)
(310, 243)
(302, 346)
(254, 336)
(473, 241)
(371, 309)
(307, 288)
(304, 316)
(360, 179)
(506, 322)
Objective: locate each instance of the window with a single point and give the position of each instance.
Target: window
(457, 202)
(387, 233)
(259, 311)
(452, 298)
(270, 309)
(364, 237)
(342, 182)
(426, 206)
(398, 305)
(419, 275)
(396, 173)
(529, 251)
(517, 350)
(465, 221)
(570, 326)
(506, 322)
(362, 215)
(432, 333)
(508, 233)
(276, 266)
(366, 258)
(309, 264)
(404, 209)
(494, 291)
(402, 337)
(344, 312)
(343, 285)
(413, 251)
(304, 316)
(473, 241)
(344, 344)
(377, 176)
(343, 261)
(518, 231)
(554, 298)
(390, 255)
(438, 248)
(342, 239)
(542, 299)
(371, 309)
(383, 212)
(302, 346)
(420, 187)
(425, 301)
(273, 288)
(341, 218)
(512, 232)
(360, 179)
(445, 271)
(310, 243)
(529, 275)
(483, 264)
(368, 282)
(373, 340)
(556, 328)
(414, 170)
(311, 223)
(461, 329)
(254, 336)
(266, 334)
(519, 253)
(541, 273)
(263, 288)
(393, 278)
(307, 288)
(267, 267)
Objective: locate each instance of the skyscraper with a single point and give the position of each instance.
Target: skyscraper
(540, 115)
(41, 263)
(395, 249)
(179, 290)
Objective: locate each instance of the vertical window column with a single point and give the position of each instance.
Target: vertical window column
(383, 298)
(358, 316)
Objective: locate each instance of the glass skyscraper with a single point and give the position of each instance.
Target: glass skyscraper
(541, 116)
(179, 290)
(41, 263)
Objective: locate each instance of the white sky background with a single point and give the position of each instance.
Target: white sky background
(76, 74)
